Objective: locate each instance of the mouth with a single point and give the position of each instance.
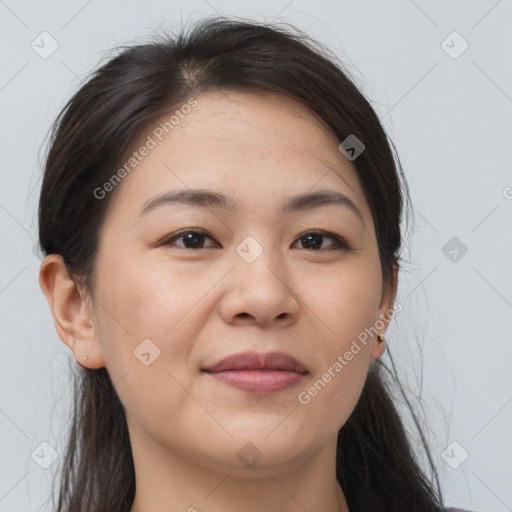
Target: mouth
(258, 373)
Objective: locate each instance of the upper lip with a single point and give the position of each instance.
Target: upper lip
(257, 361)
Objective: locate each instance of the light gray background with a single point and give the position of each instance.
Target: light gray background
(451, 121)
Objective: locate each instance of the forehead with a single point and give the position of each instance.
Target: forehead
(257, 119)
(265, 144)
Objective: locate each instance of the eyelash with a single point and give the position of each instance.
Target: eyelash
(340, 243)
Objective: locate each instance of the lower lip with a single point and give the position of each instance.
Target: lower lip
(259, 381)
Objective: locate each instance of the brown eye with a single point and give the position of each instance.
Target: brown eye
(191, 239)
(313, 240)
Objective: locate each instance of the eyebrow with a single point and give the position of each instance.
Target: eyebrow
(202, 198)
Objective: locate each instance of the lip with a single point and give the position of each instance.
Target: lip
(258, 373)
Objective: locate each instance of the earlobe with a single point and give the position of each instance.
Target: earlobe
(72, 312)
(378, 348)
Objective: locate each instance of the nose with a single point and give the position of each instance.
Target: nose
(260, 293)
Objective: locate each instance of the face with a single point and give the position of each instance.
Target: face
(181, 285)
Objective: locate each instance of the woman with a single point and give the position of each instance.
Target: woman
(221, 218)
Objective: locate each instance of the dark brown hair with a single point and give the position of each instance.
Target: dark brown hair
(376, 466)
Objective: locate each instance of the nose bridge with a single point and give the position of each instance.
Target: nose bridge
(259, 284)
(258, 259)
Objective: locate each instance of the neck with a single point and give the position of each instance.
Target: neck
(166, 483)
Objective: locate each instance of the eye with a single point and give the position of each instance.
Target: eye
(313, 240)
(192, 239)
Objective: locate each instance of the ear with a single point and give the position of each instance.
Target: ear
(385, 312)
(72, 312)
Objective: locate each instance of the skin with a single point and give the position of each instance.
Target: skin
(199, 305)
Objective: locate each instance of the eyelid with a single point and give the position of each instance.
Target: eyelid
(340, 242)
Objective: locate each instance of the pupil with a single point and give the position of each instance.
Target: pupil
(192, 237)
(315, 245)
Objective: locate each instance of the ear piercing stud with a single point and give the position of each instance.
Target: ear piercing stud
(380, 337)
(85, 358)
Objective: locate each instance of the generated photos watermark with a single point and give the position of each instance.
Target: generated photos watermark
(152, 141)
(304, 397)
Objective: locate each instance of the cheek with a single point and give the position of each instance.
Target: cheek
(140, 304)
(346, 303)
(147, 328)
(333, 390)
(346, 307)
(151, 299)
